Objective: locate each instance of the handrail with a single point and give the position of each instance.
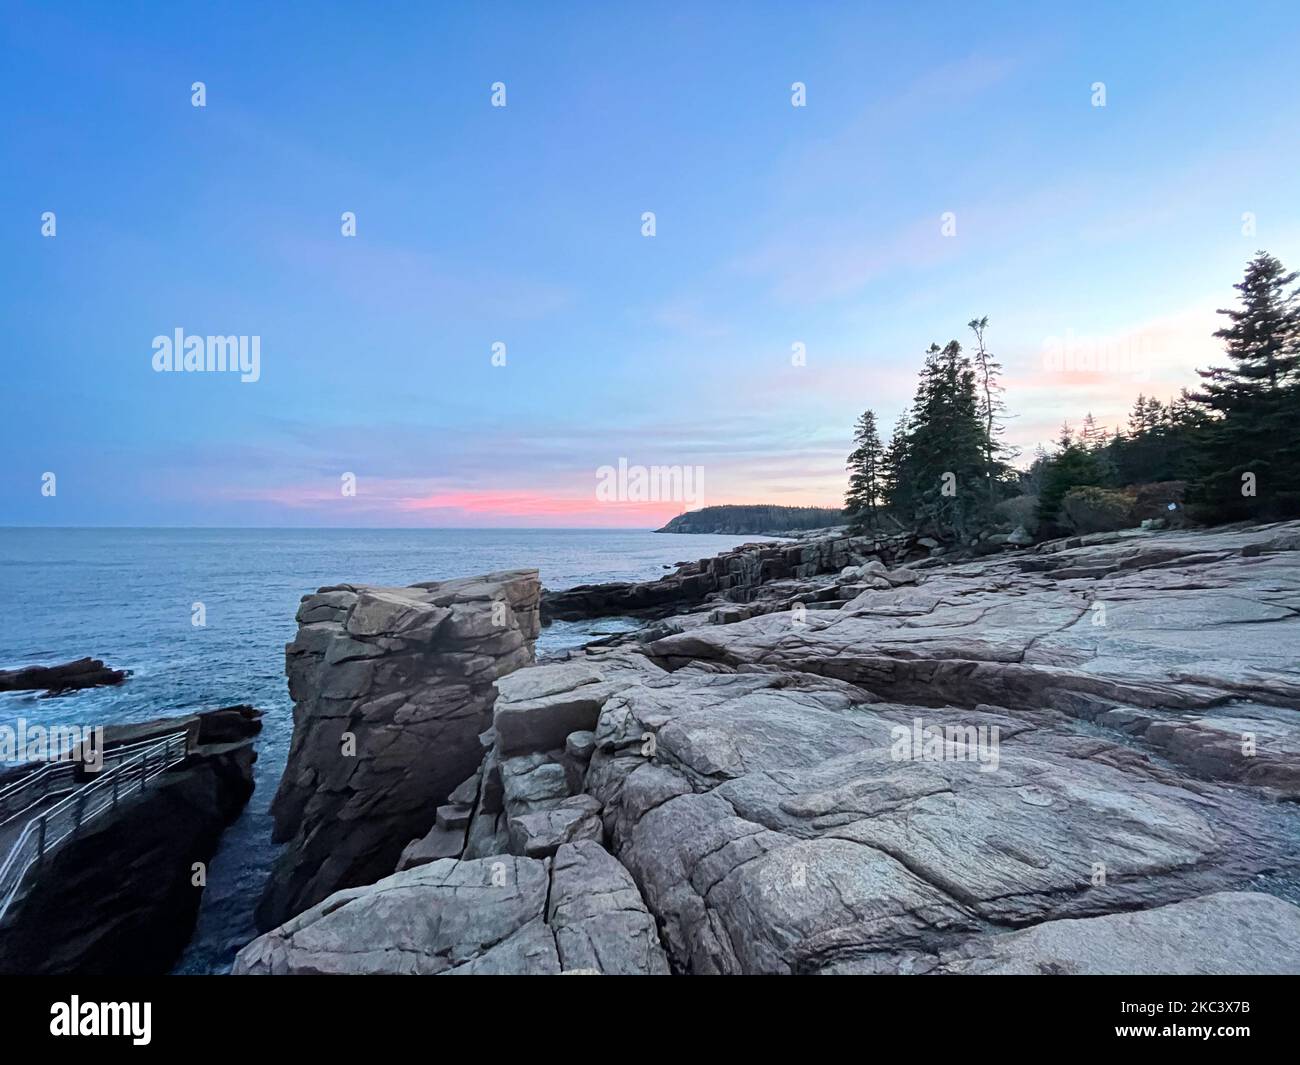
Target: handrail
(57, 770)
(65, 818)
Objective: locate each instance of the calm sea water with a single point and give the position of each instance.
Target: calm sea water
(126, 596)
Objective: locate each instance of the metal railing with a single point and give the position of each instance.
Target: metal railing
(125, 773)
(58, 776)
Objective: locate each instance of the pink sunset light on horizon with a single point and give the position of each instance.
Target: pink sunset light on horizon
(380, 502)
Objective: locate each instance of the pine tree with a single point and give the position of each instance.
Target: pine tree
(866, 492)
(1071, 467)
(1250, 441)
(894, 487)
(944, 450)
(1092, 436)
(1137, 419)
(991, 407)
(1155, 415)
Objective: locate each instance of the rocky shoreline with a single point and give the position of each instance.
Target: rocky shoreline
(736, 576)
(838, 756)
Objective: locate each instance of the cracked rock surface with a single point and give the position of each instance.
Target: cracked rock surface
(576, 912)
(1084, 758)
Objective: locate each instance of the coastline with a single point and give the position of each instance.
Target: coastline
(648, 767)
(622, 765)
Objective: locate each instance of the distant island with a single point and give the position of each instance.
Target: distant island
(741, 519)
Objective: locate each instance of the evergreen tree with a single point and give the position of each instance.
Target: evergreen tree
(866, 491)
(1092, 436)
(898, 500)
(1137, 419)
(1250, 441)
(945, 446)
(991, 407)
(1071, 467)
(1155, 415)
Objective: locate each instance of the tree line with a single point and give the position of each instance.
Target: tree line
(1235, 440)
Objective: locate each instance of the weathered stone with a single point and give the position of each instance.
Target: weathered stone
(600, 920)
(453, 817)
(540, 834)
(1114, 721)
(738, 575)
(438, 843)
(1225, 934)
(480, 916)
(391, 687)
(532, 782)
(580, 745)
(758, 797)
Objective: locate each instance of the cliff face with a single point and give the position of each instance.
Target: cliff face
(391, 687)
(1074, 759)
(121, 898)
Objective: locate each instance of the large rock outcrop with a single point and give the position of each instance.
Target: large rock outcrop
(391, 688)
(1183, 639)
(1078, 759)
(122, 897)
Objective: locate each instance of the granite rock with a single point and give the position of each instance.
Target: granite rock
(391, 689)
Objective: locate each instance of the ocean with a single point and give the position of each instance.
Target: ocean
(129, 596)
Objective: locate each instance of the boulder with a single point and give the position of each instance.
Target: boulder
(540, 834)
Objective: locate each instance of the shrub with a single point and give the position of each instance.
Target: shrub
(1020, 510)
(1152, 500)
(1090, 509)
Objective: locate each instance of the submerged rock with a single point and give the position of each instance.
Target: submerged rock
(55, 680)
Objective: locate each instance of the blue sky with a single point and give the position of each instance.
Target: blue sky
(1115, 229)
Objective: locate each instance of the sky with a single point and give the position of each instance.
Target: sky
(799, 266)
